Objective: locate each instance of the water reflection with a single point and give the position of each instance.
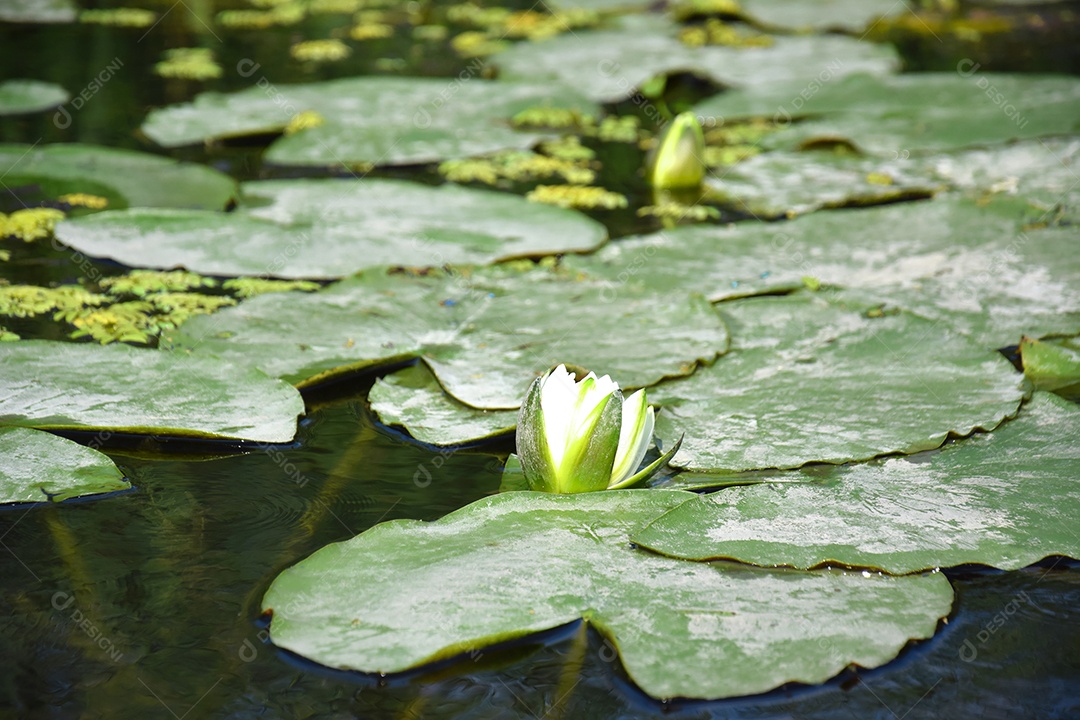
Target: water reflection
(149, 600)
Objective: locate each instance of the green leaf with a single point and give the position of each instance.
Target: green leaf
(1006, 499)
(1052, 365)
(38, 466)
(968, 265)
(894, 115)
(378, 120)
(55, 385)
(127, 178)
(37, 11)
(852, 16)
(778, 184)
(609, 65)
(413, 399)
(20, 97)
(486, 333)
(407, 593)
(816, 379)
(330, 228)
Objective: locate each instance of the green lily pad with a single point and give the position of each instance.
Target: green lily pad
(330, 228)
(811, 379)
(1006, 499)
(413, 399)
(900, 115)
(37, 11)
(380, 120)
(966, 264)
(846, 15)
(856, 248)
(113, 388)
(407, 593)
(1043, 172)
(778, 184)
(610, 65)
(486, 333)
(127, 178)
(1052, 365)
(37, 466)
(19, 97)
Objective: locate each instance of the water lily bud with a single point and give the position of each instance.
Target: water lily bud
(676, 162)
(582, 436)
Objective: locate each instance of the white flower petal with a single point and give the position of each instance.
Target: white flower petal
(635, 435)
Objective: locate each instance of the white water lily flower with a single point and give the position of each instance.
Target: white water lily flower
(582, 436)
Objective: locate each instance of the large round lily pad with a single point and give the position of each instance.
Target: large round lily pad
(485, 332)
(610, 65)
(114, 388)
(330, 228)
(1006, 499)
(413, 399)
(406, 593)
(37, 466)
(18, 97)
(380, 120)
(898, 115)
(813, 380)
(126, 178)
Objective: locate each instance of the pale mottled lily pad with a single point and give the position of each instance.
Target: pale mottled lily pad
(380, 120)
(19, 97)
(609, 65)
(968, 265)
(330, 228)
(847, 15)
(1006, 499)
(413, 399)
(898, 115)
(56, 385)
(814, 380)
(124, 177)
(37, 11)
(857, 248)
(37, 466)
(407, 593)
(780, 184)
(485, 332)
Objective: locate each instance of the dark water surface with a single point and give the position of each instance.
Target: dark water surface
(145, 604)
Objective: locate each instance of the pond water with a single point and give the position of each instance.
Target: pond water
(145, 604)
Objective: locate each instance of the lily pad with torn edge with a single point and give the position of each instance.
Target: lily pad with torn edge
(413, 399)
(406, 593)
(1004, 499)
(67, 386)
(330, 228)
(37, 466)
(829, 378)
(486, 333)
(375, 120)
